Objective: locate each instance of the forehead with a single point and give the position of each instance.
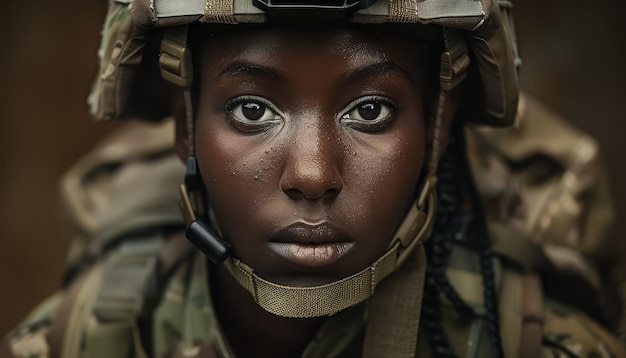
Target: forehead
(292, 45)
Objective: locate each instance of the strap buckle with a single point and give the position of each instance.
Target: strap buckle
(454, 61)
(175, 58)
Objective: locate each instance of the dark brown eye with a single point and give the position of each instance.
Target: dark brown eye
(253, 111)
(369, 111)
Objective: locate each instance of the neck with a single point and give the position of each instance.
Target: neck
(252, 331)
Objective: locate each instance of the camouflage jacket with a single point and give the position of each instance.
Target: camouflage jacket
(79, 323)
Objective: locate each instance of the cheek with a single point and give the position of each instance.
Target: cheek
(239, 172)
(382, 176)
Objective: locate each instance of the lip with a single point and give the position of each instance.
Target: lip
(311, 245)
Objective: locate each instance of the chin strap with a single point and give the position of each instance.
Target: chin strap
(328, 299)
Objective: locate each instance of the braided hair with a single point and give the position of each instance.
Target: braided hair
(454, 224)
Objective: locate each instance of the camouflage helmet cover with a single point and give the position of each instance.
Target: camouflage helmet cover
(127, 86)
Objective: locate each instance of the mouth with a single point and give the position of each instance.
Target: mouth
(311, 245)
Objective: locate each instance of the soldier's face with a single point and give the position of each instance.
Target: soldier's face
(311, 145)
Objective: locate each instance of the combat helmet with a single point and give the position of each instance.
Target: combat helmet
(476, 37)
(124, 86)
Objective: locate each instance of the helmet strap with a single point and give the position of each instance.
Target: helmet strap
(435, 153)
(175, 61)
(190, 123)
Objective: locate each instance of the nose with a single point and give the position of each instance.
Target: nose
(312, 170)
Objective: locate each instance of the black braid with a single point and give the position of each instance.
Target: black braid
(449, 224)
(491, 301)
(486, 262)
(438, 249)
(453, 224)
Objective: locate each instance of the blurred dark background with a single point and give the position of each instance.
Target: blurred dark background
(573, 55)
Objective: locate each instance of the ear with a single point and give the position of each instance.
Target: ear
(180, 117)
(451, 102)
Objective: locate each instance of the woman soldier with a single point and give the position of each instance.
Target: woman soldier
(325, 163)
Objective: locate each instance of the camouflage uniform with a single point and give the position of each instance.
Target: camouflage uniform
(184, 325)
(166, 310)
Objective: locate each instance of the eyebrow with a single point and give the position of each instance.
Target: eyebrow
(360, 74)
(378, 69)
(238, 67)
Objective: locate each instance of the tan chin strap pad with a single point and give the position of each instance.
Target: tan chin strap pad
(328, 299)
(316, 301)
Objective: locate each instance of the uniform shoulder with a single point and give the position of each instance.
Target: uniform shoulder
(45, 330)
(570, 333)
(30, 338)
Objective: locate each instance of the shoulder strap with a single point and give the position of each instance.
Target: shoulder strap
(532, 316)
(394, 311)
(128, 276)
(521, 314)
(98, 317)
(66, 323)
